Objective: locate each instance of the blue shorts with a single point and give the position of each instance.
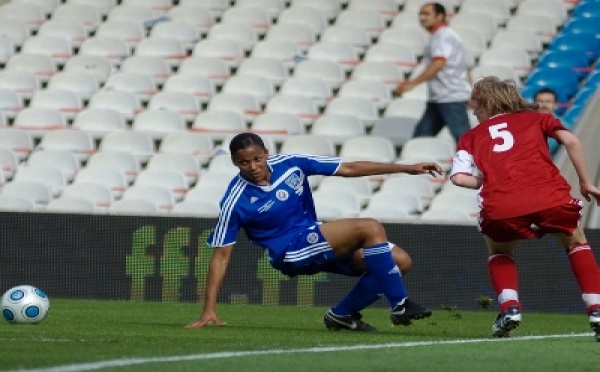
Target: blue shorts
(309, 253)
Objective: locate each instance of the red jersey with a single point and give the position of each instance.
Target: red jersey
(517, 172)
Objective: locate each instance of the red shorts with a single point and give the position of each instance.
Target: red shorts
(562, 219)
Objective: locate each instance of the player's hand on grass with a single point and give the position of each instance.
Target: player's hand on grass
(207, 317)
(421, 168)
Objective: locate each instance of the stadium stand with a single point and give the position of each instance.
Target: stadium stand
(94, 78)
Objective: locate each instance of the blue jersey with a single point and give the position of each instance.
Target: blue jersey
(273, 214)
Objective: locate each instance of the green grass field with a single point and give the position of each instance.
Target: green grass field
(81, 335)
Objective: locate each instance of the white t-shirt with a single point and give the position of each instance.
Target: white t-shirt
(451, 83)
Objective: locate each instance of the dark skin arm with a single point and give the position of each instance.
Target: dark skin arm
(370, 168)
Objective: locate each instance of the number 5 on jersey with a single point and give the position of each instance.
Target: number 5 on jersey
(500, 131)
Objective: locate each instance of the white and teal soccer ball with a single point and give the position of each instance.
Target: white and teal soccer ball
(25, 304)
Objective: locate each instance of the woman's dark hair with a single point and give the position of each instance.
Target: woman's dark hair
(243, 140)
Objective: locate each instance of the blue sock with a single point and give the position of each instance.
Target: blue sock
(381, 265)
(364, 293)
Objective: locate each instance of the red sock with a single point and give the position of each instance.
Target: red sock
(505, 280)
(585, 269)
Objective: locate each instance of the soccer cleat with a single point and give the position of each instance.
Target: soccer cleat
(406, 311)
(594, 319)
(506, 322)
(350, 322)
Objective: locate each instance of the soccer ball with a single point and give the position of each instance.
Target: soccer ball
(25, 304)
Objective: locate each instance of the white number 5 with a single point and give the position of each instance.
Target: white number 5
(500, 131)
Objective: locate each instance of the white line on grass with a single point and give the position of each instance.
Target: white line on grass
(322, 349)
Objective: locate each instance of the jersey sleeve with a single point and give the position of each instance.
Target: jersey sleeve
(550, 125)
(228, 224)
(441, 49)
(318, 165)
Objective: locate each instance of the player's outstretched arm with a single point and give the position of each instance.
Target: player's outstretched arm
(216, 272)
(371, 168)
(577, 156)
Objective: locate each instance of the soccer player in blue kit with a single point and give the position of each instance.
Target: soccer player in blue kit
(271, 200)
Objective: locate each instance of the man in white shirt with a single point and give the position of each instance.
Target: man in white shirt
(446, 75)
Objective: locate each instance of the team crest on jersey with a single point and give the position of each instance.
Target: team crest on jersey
(294, 181)
(282, 195)
(312, 238)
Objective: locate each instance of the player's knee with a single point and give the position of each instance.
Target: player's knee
(373, 228)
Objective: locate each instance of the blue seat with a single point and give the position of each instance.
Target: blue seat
(553, 145)
(573, 59)
(588, 25)
(569, 118)
(587, 9)
(593, 79)
(586, 43)
(561, 79)
(583, 95)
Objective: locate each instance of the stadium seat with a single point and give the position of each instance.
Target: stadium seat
(369, 148)
(333, 205)
(158, 123)
(313, 18)
(125, 103)
(133, 207)
(199, 145)
(304, 108)
(98, 194)
(485, 23)
(327, 71)
(14, 30)
(116, 50)
(22, 82)
(183, 32)
(175, 182)
(97, 66)
(85, 14)
(586, 9)
(259, 87)
(448, 216)
(363, 108)
(123, 162)
(103, 7)
(571, 114)
(384, 72)
(156, 67)
(78, 143)
(308, 144)
(583, 95)
(553, 9)
(562, 80)
(514, 58)
(51, 177)
(129, 31)
(299, 34)
(194, 14)
(277, 126)
(40, 65)
(222, 166)
(386, 8)
(575, 60)
(17, 140)
(375, 91)
(34, 191)
(239, 103)
(58, 48)
(8, 162)
(357, 37)
(369, 20)
(271, 68)
(10, 103)
(66, 102)
(502, 72)
(138, 144)
(427, 149)
(218, 124)
(339, 52)
(184, 104)
(131, 12)
(414, 186)
(16, 204)
(272, 7)
(38, 121)
(330, 8)
(182, 163)
(460, 202)
(338, 128)
(64, 161)
(228, 51)
(398, 129)
(360, 187)
(583, 42)
(399, 55)
(499, 10)
(382, 202)
(201, 87)
(113, 179)
(171, 50)
(539, 25)
(209, 193)
(139, 84)
(316, 89)
(215, 7)
(30, 14)
(196, 208)
(285, 51)
(257, 18)
(241, 34)
(84, 85)
(523, 40)
(67, 204)
(98, 122)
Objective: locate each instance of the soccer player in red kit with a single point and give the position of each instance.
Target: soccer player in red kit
(522, 194)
